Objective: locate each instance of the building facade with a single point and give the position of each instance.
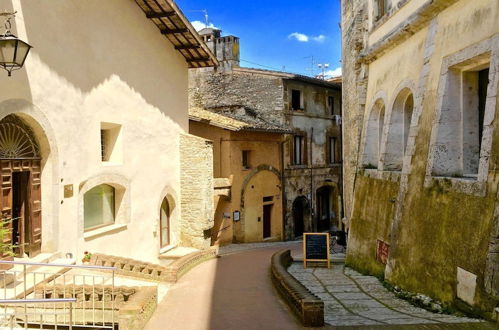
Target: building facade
(420, 87)
(95, 151)
(309, 108)
(248, 171)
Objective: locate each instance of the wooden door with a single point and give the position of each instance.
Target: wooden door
(267, 220)
(6, 200)
(34, 225)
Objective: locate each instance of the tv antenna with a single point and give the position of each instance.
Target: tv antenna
(206, 17)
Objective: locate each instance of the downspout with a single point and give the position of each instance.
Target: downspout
(312, 205)
(283, 192)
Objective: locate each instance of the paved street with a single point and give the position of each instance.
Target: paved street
(231, 292)
(352, 299)
(235, 292)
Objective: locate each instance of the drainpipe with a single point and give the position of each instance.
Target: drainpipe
(283, 192)
(312, 205)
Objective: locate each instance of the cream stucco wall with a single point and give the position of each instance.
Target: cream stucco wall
(92, 62)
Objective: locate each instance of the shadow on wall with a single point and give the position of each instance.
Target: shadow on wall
(98, 39)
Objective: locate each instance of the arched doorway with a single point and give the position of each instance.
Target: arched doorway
(164, 223)
(20, 185)
(325, 211)
(301, 209)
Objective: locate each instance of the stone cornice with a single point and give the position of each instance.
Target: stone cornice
(404, 30)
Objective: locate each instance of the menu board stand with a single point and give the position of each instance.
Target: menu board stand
(316, 248)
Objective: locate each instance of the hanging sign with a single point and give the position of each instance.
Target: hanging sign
(316, 248)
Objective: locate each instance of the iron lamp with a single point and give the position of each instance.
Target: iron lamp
(13, 51)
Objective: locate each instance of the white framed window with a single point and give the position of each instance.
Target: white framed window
(99, 207)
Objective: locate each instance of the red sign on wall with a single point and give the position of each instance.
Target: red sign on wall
(382, 251)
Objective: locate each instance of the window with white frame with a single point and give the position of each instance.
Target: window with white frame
(461, 125)
(99, 206)
(398, 130)
(374, 134)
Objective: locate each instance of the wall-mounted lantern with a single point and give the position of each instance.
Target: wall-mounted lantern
(13, 51)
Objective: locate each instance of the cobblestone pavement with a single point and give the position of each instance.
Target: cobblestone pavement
(352, 299)
(236, 248)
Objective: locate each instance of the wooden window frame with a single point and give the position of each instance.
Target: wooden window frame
(303, 150)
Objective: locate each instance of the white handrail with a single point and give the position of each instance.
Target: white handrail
(55, 265)
(37, 301)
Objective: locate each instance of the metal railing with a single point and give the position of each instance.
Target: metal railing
(12, 319)
(93, 293)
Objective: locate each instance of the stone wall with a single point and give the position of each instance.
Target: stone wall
(196, 163)
(435, 228)
(251, 94)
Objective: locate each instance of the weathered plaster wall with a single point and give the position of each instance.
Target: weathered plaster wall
(96, 62)
(435, 225)
(247, 184)
(267, 95)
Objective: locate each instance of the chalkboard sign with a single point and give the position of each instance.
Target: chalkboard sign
(316, 248)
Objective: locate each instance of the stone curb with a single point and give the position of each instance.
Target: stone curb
(307, 306)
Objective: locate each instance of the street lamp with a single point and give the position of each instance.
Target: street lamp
(13, 51)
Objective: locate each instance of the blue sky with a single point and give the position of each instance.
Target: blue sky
(277, 33)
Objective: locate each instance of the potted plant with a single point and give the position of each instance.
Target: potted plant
(6, 249)
(87, 256)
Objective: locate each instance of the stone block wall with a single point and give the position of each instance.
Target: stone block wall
(259, 94)
(196, 165)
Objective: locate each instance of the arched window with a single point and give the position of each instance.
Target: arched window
(99, 206)
(398, 131)
(374, 134)
(164, 221)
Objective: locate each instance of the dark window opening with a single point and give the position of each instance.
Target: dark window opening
(330, 104)
(381, 6)
(483, 83)
(296, 100)
(333, 150)
(268, 199)
(246, 159)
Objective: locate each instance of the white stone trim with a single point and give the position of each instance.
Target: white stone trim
(380, 95)
(122, 198)
(490, 46)
(106, 230)
(405, 84)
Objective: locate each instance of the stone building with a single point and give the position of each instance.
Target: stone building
(248, 171)
(309, 108)
(420, 83)
(94, 144)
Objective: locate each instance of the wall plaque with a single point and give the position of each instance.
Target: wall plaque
(382, 251)
(68, 191)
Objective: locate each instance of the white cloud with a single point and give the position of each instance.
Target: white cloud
(333, 73)
(299, 36)
(319, 38)
(198, 25)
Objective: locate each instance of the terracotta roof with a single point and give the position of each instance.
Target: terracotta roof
(174, 25)
(234, 122)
